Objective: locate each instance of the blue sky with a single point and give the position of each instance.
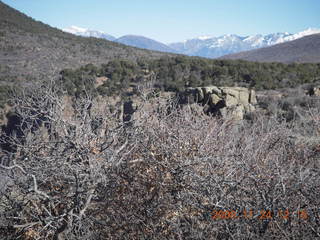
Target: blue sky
(176, 20)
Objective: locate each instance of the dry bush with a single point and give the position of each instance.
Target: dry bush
(161, 177)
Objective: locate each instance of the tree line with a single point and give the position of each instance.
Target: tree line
(178, 73)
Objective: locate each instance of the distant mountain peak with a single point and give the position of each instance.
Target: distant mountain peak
(303, 49)
(130, 39)
(75, 29)
(205, 37)
(144, 42)
(84, 32)
(213, 47)
(203, 46)
(307, 32)
(311, 31)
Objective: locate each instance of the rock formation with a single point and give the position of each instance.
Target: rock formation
(227, 102)
(315, 91)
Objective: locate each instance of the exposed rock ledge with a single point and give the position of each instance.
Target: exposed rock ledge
(228, 102)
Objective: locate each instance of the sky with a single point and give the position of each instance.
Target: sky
(176, 20)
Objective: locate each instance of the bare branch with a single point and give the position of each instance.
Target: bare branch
(35, 187)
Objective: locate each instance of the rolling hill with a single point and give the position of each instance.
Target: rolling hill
(143, 42)
(302, 50)
(31, 49)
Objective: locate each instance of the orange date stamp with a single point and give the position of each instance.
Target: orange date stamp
(265, 214)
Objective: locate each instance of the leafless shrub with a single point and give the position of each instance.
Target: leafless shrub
(58, 163)
(162, 177)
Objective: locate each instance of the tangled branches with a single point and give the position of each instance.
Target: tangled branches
(79, 173)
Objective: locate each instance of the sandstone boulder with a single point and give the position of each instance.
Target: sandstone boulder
(235, 112)
(214, 99)
(315, 91)
(253, 97)
(199, 94)
(211, 90)
(228, 102)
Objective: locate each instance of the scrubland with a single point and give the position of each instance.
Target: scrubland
(172, 173)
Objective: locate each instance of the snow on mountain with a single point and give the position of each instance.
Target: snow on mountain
(258, 41)
(307, 32)
(203, 46)
(75, 30)
(88, 33)
(130, 40)
(204, 37)
(213, 47)
(306, 49)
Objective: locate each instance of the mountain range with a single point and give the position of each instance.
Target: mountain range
(204, 46)
(130, 40)
(306, 49)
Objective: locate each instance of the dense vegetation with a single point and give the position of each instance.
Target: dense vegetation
(177, 73)
(182, 175)
(31, 50)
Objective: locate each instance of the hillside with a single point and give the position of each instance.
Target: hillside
(143, 42)
(306, 49)
(29, 48)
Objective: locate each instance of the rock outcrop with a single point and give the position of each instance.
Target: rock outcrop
(315, 91)
(228, 102)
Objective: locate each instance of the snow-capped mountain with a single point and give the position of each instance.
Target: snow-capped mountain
(213, 47)
(88, 33)
(210, 47)
(203, 46)
(130, 40)
(301, 50)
